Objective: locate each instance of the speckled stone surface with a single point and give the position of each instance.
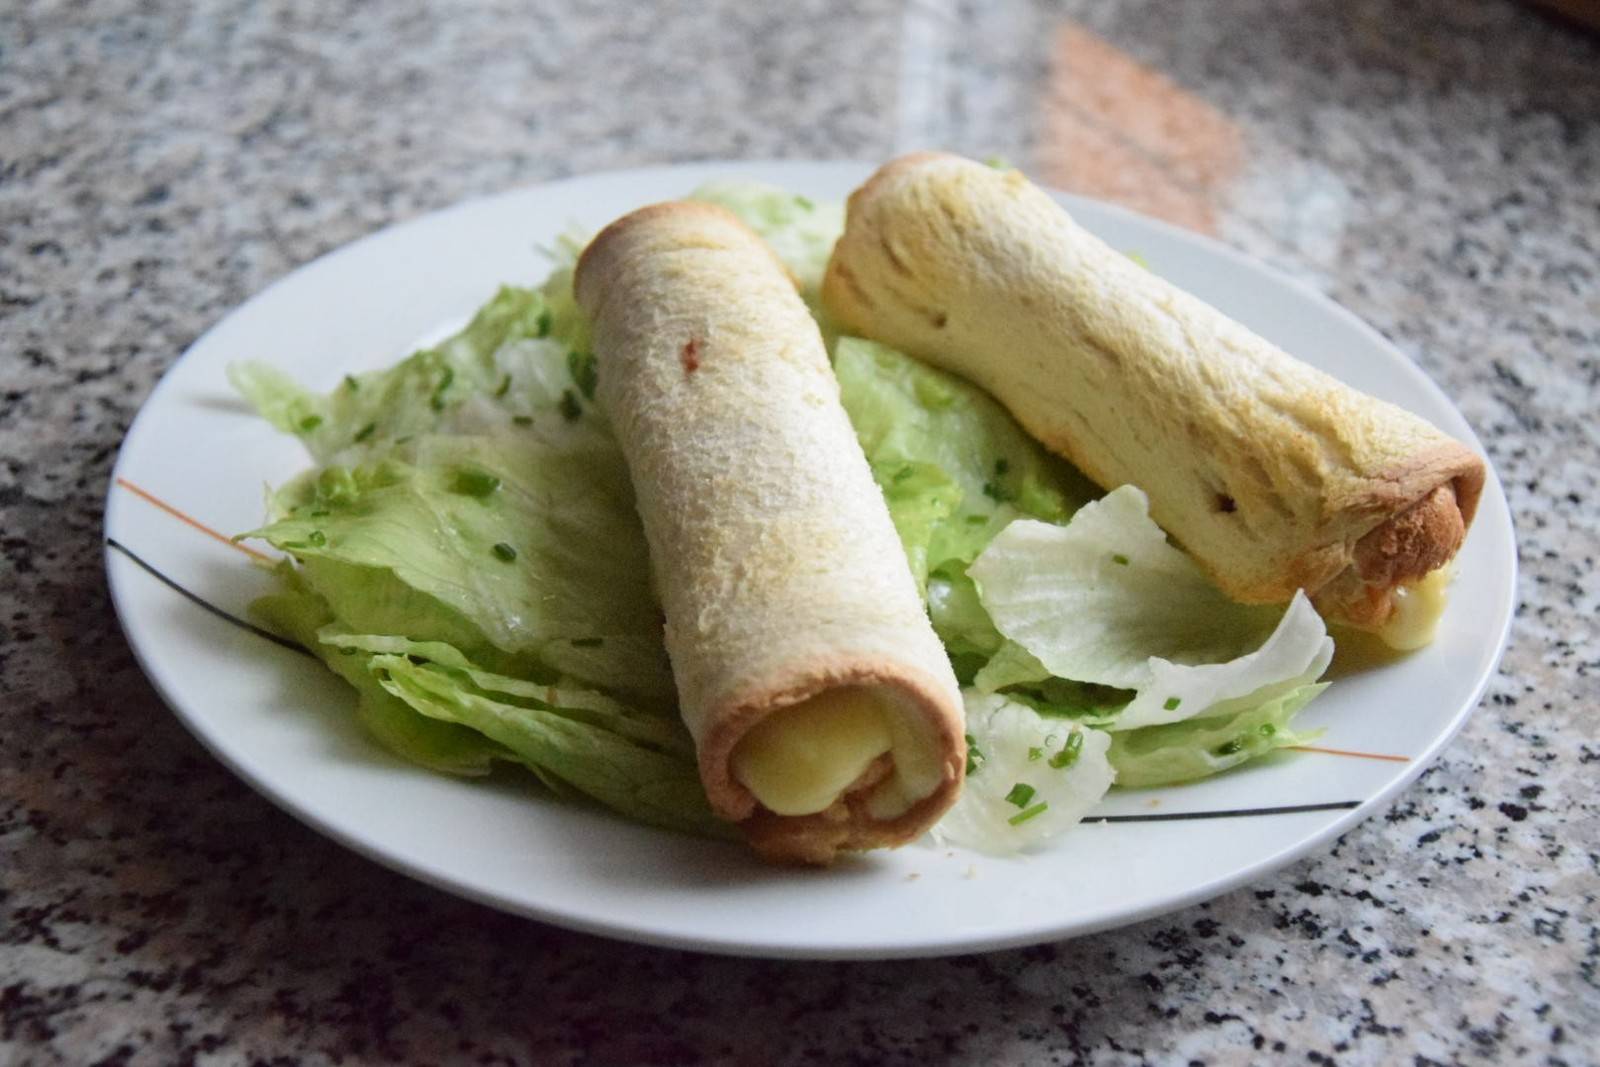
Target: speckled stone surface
(1434, 166)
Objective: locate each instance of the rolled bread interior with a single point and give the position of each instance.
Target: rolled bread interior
(823, 707)
(1273, 475)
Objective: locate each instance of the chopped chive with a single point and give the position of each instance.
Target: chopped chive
(349, 651)
(975, 756)
(544, 323)
(522, 420)
(569, 406)
(309, 423)
(588, 642)
(1070, 750)
(437, 400)
(1120, 558)
(805, 202)
(906, 471)
(1267, 729)
(998, 163)
(1230, 748)
(319, 513)
(1171, 704)
(977, 520)
(473, 481)
(316, 539)
(366, 431)
(582, 368)
(1028, 813)
(504, 552)
(504, 386)
(993, 489)
(350, 383)
(1020, 795)
(1034, 752)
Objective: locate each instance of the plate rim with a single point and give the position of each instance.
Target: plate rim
(1504, 598)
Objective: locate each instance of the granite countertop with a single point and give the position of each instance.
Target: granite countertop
(1434, 166)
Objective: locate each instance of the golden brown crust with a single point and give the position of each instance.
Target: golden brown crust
(1268, 472)
(778, 566)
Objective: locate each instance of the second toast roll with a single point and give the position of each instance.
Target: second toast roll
(1273, 475)
(824, 710)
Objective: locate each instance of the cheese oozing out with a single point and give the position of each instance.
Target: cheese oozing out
(800, 759)
(1417, 608)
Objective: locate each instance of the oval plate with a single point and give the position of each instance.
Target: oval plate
(284, 724)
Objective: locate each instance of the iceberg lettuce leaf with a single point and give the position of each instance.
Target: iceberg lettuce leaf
(299, 613)
(1105, 599)
(1197, 748)
(572, 737)
(526, 545)
(1029, 777)
(954, 467)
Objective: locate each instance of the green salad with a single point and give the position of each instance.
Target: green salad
(464, 551)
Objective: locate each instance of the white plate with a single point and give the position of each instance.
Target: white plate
(282, 722)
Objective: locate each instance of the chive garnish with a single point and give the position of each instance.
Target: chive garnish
(504, 552)
(504, 386)
(1230, 748)
(471, 481)
(805, 202)
(1171, 704)
(588, 642)
(1028, 813)
(977, 520)
(309, 423)
(1120, 558)
(350, 383)
(569, 407)
(975, 756)
(1069, 752)
(437, 400)
(581, 366)
(544, 323)
(522, 420)
(1020, 795)
(906, 471)
(1267, 729)
(316, 539)
(993, 489)
(366, 431)
(1034, 752)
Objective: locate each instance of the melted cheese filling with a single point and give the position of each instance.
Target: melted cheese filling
(1417, 608)
(800, 759)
